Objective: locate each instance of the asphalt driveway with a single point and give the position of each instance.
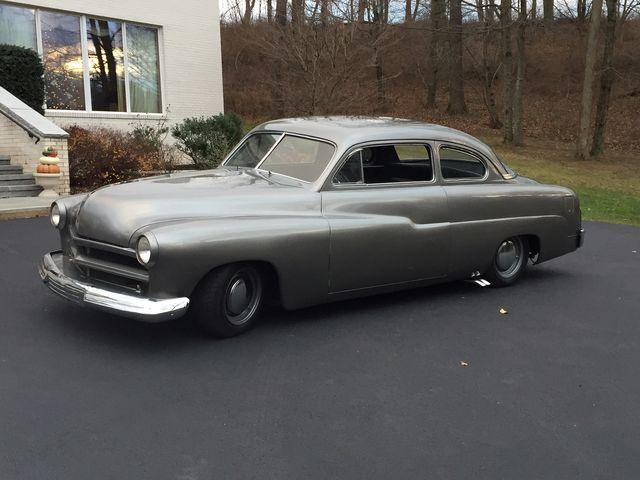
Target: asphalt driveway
(372, 388)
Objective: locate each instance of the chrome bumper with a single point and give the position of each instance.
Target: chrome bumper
(132, 306)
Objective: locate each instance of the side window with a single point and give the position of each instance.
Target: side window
(458, 164)
(399, 163)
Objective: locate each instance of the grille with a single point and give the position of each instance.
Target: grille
(109, 264)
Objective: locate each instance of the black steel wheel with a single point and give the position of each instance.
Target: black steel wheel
(509, 262)
(227, 301)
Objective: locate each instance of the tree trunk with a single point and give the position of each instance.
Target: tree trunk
(324, 11)
(582, 147)
(518, 110)
(488, 92)
(437, 14)
(480, 10)
(296, 12)
(269, 11)
(581, 10)
(277, 94)
(606, 80)
(507, 71)
(534, 10)
(547, 6)
(408, 13)
(456, 81)
(362, 6)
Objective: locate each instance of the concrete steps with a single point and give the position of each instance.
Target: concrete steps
(15, 183)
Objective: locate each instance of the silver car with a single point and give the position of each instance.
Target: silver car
(305, 211)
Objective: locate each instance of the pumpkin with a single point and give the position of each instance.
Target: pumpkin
(54, 169)
(42, 168)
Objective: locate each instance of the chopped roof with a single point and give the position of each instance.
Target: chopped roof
(349, 130)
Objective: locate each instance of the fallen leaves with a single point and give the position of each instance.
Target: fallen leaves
(503, 311)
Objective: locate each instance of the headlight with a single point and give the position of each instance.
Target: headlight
(58, 215)
(143, 250)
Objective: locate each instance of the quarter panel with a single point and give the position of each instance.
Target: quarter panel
(482, 215)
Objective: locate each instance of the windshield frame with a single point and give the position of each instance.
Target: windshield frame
(322, 174)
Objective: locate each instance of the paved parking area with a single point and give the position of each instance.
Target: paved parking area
(364, 389)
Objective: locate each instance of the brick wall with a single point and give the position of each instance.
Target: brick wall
(15, 142)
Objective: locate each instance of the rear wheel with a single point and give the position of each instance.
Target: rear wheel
(509, 262)
(227, 300)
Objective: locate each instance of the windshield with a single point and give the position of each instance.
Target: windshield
(298, 157)
(252, 150)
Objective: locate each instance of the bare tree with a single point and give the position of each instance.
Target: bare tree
(277, 95)
(435, 46)
(507, 71)
(456, 81)
(518, 109)
(248, 11)
(269, 11)
(606, 79)
(534, 10)
(547, 6)
(586, 107)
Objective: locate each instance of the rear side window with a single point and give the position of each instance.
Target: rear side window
(457, 164)
(401, 163)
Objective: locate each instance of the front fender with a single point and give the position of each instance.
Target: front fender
(296, 246)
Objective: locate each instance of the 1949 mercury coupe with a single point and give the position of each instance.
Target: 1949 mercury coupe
(305, 211)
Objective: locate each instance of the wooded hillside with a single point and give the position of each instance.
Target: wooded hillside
(515, 67)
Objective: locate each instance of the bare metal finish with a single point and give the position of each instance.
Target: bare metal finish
(323, 239)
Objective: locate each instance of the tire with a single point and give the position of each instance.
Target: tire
(227, 301)
(509, 262)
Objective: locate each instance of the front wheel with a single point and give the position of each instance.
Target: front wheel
(227, 300)
(509, 262)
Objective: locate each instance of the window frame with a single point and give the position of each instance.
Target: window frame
(88, 111)
(468, 151)
(429, 144)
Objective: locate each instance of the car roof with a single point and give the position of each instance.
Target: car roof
(346, 131)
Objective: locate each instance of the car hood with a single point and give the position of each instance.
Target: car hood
(113, 214)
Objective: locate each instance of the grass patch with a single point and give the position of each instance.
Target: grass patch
(609, 187)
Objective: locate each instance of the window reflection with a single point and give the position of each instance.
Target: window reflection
(144, 70)
(106, 65)
(62, 58)
(18, 26)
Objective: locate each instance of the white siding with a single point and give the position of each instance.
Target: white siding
(189, 47)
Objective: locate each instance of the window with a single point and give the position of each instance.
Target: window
(106, 65)
(399, 163)
(62, 59)
(144, 69)
(90, 64)
(18, 26)
(457, 164)
(253, 150)
(298, 157)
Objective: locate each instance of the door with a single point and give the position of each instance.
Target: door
(387, 217)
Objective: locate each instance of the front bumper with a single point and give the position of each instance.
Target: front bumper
(132, 306)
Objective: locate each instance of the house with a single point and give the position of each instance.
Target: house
(113, 64)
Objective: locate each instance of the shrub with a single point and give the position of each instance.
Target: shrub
(208, 139)
(21, 74)
(102, 156)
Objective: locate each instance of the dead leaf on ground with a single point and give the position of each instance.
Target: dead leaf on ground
(504, 311)
(463, 364)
